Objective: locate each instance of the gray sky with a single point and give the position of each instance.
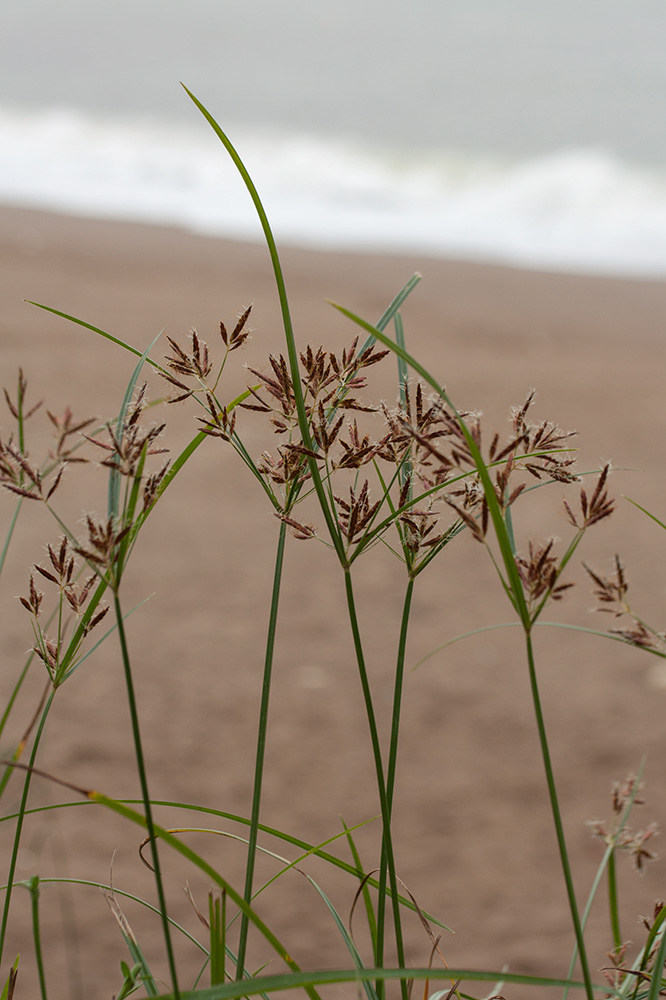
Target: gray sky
(518, 76)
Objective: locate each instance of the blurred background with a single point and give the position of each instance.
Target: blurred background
(454, 136)
(503, 130)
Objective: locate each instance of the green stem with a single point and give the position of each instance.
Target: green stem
(612, 902)
(19, 823)
(557, 819)
(10, 703)
(10, 532)
(33, 886)
(397, 696)
(19, 419)
(144, 790)
(392, 763)
(261, 749)
(381, 784)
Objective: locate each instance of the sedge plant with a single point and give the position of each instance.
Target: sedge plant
(430, 477)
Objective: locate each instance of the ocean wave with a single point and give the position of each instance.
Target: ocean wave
(572, 210)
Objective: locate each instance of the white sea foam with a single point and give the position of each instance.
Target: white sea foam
(576, 210)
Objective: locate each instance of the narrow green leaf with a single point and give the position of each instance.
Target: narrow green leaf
(277, 983)
(10, 533)
(367, 901)
(243, 821)
(114, 474)
(657, 981)
(564, 625)
(650, 515)
(96, 329)
(290, 340)
(199, 862)
(349, 944)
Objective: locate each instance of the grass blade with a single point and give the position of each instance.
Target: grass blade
(349, 944)
(305, 980)
(114, 473)
(309, 849)
(33, 887)
(96, 329)
(649, 514)
(261, 745)
(367, 901)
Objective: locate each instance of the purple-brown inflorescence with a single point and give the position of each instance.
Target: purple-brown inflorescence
(103, 541)
(536, 441)
(599, 506)
(20, 476)
(356, 514)
(618, 834)
(61, 573)
(129, 442)
(239, 334)
(539, 573)
(612, 595)
(17, 409)
(66, 427)
(610, 592)
(197, 365)
(18, 473)
(329, 386)
(418, 524)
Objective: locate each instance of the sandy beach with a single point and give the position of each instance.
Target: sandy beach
(473, 832)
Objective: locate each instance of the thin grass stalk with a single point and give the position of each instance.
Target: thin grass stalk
(381, 784)
(135, 817)
(33, 887)
(557, 819)
(10, 533)
(19, 823)
(656, 982)
(20, 419)
(613, 908)
(141, 768)
(656, 932)
(392, 764)
(291, 981)
(68, 882)
(309, 849)
(397, 695)
(217, 918)
(261, 748)
(22, 743)
(12, 699)
(603, 864)
(514, 589)
(101, 333)
(367, 901)
(346, 937)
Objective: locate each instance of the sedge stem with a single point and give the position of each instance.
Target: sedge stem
(612, 903)
(392, 763)
(261, 749)
(19, 822)
(557, 819)
(381, 784)
(141, 768)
